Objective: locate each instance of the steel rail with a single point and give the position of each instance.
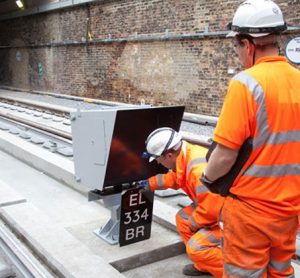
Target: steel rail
(51, 130)
(24, 263)
(195, 139)
(38, 105)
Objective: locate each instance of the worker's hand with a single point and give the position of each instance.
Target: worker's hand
(143, 184)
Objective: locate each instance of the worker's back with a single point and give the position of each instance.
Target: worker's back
(271, 181)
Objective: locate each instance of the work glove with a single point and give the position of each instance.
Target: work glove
(143, 184)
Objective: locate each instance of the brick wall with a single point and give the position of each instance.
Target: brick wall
(127, 59)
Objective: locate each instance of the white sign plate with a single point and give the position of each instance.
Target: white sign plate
(292, 50)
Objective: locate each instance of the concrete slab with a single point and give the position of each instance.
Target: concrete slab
(166, 193)
(185, 201)
(56, 200)
(8, 196)
(296, 269)
(65, 255)
(165, 214)
(160, 238)
(54, 165)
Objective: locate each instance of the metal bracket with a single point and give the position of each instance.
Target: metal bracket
(110, 231)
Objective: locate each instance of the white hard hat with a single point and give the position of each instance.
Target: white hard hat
(257, 18)
(161, 140)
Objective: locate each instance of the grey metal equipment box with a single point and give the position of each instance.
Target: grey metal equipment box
(108, 144)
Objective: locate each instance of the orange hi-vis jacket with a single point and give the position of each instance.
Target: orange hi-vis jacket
(263, 102)
(189, 166)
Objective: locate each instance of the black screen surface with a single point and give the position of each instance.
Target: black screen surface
(132, 127)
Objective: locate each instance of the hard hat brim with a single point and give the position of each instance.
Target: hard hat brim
(231, 34)
(151, 158)
(258, 35)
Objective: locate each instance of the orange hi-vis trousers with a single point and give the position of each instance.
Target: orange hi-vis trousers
(257, 245)
(203, 246)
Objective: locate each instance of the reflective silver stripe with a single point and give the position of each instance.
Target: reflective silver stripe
(243, 273)
(200, 247)
(203, 231)
(211, 238)
(194, 245)
(273, 171)
(261, 116)
(201, 189)
(280, 266)
(195, 162)
(193, 222)
(183, 215)
(265, 136)
(160, 184)
(284, 137)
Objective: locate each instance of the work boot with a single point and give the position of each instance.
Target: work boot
(190, 270)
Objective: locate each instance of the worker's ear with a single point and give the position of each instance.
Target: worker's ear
(169, 155)
(250, 47)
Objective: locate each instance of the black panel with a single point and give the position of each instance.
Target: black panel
(135, 216)
(132, 127)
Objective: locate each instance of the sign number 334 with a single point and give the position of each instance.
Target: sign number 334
(136, 216)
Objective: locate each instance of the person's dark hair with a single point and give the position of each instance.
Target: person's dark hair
(259, 42)
(240, 37)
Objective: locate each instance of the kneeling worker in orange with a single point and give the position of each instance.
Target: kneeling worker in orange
(197, 223)
(262, 104)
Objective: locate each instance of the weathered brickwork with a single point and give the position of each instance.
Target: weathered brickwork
(50, 52)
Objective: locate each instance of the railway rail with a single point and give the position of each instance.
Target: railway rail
(16, 260)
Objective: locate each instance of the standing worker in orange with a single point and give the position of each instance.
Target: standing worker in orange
(262, 103)
(197, 223)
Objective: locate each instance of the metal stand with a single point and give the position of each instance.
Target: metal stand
(110, 231)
